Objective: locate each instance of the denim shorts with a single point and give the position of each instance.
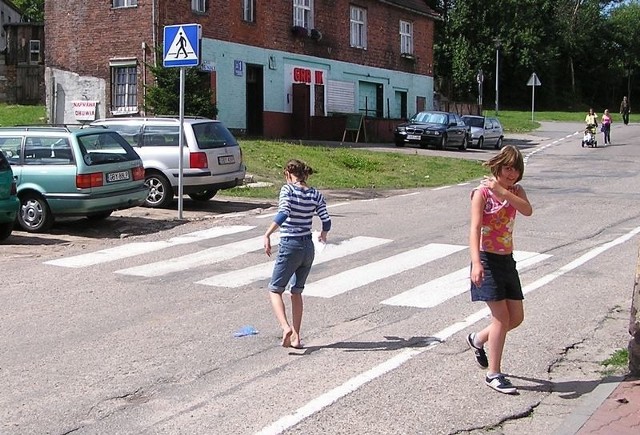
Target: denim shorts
(293, 264)
(501, 280)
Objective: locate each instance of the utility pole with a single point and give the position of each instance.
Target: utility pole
(497, 43)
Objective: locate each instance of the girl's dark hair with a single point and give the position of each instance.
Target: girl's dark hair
(508, 156)
(299, 169)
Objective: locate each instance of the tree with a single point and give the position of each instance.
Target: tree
(33, 10)
(163, 98)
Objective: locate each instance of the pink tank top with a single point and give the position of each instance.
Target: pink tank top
(498, 219)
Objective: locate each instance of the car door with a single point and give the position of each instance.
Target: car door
(11, 146)
(489, 132)
(457, 130)
(49, 167)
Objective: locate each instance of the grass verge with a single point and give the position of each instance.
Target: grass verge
(22, 115)
(345, 168)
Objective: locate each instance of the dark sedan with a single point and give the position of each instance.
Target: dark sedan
(440, 129)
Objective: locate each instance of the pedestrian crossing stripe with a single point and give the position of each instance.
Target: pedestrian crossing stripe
(360, 276)
(262, 271)
(437, 291)
(139, 248)
(206, 257)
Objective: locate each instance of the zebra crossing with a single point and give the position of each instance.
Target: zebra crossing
(426, 295)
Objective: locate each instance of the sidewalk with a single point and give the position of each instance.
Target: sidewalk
(612, 408)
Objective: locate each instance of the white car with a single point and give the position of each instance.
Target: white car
(484, 130)
(212, 158)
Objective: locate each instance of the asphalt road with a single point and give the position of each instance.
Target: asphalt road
(133, 332)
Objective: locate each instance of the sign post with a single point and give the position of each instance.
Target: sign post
(480, 80)
(181, 49)
(533, 82)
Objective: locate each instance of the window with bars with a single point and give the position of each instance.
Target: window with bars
(34, 51)
(249, 10)
(124, 92)
(358, 27)
(303, 13)
(124, 3)
(199, 5)
(406, 37)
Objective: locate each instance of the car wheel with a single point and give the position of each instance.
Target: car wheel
(99, 216)
(465, 143)
(160, 191)
(499, 144)
(480, 143)
(34, 214)
(442, 144)
(205, 195)
(399, 143)
(5, 230)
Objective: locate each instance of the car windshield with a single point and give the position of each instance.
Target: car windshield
(212, 135)
(473, 121)
(431, 118)
(105, 147)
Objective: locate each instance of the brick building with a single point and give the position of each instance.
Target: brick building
(278, 69)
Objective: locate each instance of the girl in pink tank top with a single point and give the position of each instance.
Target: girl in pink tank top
(494, 278)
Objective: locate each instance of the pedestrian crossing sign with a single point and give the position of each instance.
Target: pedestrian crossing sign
(182, 45)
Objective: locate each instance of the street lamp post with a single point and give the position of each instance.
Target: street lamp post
(497, 43)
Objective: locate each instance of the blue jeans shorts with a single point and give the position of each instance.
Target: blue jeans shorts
(501, 279)
(293, 264)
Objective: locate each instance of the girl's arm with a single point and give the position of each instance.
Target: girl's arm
(477, 208)
(519, 199)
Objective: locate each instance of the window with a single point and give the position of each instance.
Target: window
(249, 10)
(199, 5)
(34, 51)
(47, 151)
(358, 27)
(303, 13)
(124, 91)
(406, 37)
(124, 3)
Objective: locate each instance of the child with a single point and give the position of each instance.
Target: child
(494, 278)
(297, 204)
(606, 127)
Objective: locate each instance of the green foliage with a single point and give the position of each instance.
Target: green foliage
(620, 358)
(33, 10)
(583, 51)
(163, 98)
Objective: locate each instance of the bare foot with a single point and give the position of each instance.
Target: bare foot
(286, 337)
(296, 343)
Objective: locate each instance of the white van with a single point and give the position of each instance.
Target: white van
(212, 158)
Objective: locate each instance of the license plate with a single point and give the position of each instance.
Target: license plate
(226, 160)
(117, 176)
(413, 137)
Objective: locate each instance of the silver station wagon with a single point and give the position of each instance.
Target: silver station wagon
(58, 172)
(212, 158)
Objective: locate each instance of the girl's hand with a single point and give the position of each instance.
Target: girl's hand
(267, 245)
(477, 275)
(323, 236)
(493, 184)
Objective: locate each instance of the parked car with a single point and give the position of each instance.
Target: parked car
(8, 198)
(484, 131)
(212, 157)
(440, 129)
(58, 172)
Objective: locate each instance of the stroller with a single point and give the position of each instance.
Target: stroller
(590, 138)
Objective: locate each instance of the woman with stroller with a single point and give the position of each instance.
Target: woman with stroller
(591, 120)
(606, 127)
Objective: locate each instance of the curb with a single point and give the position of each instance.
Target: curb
(589, 405)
